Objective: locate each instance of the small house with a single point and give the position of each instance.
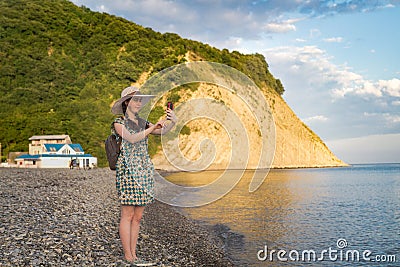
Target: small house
(59, 153)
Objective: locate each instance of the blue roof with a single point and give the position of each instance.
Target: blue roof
(27, 156)
(53, 147)
(76, 147)
(57, 147)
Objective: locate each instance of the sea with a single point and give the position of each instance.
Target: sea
(347, 216)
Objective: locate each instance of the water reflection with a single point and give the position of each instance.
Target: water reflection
(304, 209)
(268, 209)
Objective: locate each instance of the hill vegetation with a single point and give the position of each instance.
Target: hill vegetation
(62, 66)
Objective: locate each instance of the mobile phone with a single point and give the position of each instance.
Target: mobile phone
(170, 105)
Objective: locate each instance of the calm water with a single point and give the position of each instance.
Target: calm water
(308, 209)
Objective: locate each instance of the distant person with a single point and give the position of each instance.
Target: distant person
(134, 172)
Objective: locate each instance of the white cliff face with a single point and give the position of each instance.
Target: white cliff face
(296, 144)
(212, 144)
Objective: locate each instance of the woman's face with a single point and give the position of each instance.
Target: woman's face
(135, 104)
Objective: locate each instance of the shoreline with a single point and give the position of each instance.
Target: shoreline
(71, 217)
(168, 172)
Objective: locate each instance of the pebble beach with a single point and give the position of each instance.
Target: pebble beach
(62, 217)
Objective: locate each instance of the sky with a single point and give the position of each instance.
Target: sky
(337, 59)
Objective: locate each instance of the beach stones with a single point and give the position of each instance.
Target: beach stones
(70, 217)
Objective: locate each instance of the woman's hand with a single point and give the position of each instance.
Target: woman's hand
(159, 125)
(162, 126)
(171, 116)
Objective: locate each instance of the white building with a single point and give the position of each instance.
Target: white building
(60, 153)
(36, 142)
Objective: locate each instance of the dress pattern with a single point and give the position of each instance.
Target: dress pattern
(134, 169)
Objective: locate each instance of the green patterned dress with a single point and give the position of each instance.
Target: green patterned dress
(134, 172)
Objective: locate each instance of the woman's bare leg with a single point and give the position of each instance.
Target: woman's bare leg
(125, 232)
(137, 216)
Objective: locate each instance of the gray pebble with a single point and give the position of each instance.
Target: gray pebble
(70, 218)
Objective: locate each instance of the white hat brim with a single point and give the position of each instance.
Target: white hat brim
(117, 107)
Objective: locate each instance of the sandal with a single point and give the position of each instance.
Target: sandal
(125, 263)
(139, 262)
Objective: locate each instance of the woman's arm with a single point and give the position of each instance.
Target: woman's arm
(163, 130)
(136, 137)
(172, 118)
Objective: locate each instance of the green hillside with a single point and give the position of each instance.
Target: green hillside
(62, 66)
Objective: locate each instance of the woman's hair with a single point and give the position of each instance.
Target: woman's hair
(125, 105)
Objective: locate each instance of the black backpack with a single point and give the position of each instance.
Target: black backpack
(113, 147)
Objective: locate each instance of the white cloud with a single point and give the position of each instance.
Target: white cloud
(368, 88)
(279, 27)
(103, 8)
(315, 85)
(315, 66)
(364, 87)
(389, 118)
(317, 118)
(340, 93)
(333, 40)
(396, 103)
(282, 26)
(368, 114)
(235, 43)
(391, 87)
(392, 118)
(389, 6)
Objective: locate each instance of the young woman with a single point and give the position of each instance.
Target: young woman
(134, 173)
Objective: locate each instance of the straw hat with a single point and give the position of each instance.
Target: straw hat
(128, 93)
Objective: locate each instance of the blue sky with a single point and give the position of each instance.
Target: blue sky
(338, 60)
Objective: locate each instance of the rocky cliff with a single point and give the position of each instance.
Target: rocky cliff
(296, 145)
